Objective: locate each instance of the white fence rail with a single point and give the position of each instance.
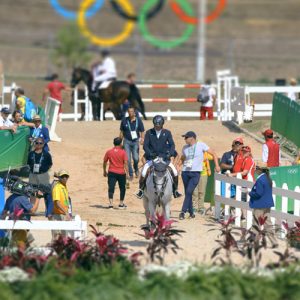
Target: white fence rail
(77, 226)
(277, 217)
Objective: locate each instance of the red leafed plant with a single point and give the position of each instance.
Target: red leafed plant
(292, 234)
(161, 235)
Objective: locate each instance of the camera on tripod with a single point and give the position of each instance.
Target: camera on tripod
(17, 186)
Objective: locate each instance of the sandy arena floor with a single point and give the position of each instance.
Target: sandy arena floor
(81, 152)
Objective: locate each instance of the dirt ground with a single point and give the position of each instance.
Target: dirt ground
(81, 152)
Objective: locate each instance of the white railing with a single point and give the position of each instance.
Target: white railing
(276, 216)
(77, 226)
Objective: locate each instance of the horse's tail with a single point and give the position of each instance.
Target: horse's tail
(135, 96)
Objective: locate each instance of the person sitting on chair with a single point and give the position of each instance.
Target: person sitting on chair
(158, 142)
(105, 71)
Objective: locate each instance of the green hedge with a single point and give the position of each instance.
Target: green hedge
(122, 282)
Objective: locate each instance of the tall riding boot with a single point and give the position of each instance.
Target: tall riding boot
(176, 194)
(142, 185)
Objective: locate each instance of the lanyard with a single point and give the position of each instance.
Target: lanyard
(36, 132)
(136, 124)
(66, 198)
(194, 150)
(40, 158)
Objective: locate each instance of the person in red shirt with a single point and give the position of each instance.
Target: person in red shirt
(271, 150)
(117, 171)
(54, 89)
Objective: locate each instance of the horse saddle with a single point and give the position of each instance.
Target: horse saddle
(105, 84)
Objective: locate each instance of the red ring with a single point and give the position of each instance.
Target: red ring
(194, 20)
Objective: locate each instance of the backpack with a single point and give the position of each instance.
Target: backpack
(203, 96)
(30, 109)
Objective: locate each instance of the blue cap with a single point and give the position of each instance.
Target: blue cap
(5, 110)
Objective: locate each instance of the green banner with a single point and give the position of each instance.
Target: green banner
(14, 148)
(289, 175)
(286, 118)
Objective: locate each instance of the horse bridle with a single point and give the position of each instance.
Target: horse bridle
(163, 186)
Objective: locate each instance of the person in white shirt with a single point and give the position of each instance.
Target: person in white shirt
(5, 123)
(207, 107)
(291, 94)
(105, 71)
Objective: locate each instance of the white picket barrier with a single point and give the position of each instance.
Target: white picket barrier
(51, 113)
(76, 227)
(278, 216)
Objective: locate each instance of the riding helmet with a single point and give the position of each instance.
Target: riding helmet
(158, 120)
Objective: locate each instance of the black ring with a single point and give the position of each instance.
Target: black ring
(117, 8)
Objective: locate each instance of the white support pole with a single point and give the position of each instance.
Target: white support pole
(284, 208)
(297, 203)
(169, 115)
(76, 104)
(101, 111)
(217, 204)
(273, 220)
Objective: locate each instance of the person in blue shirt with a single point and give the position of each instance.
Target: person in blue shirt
(132, 130)
(261, 200)
(39, 131)
(158, 143)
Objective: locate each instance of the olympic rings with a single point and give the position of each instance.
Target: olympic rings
(149, 16)
(70, 15)
(160, 43)
(104, 41)
(194, 20)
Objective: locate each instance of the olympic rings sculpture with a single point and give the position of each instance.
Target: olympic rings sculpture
(181, 8)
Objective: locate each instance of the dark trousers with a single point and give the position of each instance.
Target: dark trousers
(132, 149)
(112, 179)
(190, 181)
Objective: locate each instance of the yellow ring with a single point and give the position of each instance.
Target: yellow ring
(104, 41)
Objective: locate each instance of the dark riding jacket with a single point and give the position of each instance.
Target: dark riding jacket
(163, 146)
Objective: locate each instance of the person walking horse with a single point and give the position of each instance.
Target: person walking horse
(158, 143)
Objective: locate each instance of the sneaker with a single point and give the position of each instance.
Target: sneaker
(192, 215)
(181, 216)
(137, 174)
(110, 206)
(176, 194)
(122, 206)
(202, 212)
(140, 194)
(127, 185)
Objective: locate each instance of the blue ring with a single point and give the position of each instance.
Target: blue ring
(70, 15)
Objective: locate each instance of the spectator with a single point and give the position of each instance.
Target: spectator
(105, 71)
(5, 123)
(117, 170)
(271, 150)
(21, 100)
(291, 94)
(15, 202)
(192, 160)
(54, 89)
(39, 131)
(261, 201)
(159, 143)
(207, 107)
(40, 161)
(200, 190)
(132, 129)
(297, 159)
(18, 120)
(62, 208)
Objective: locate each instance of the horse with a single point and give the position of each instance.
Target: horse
(114, 95)
(158, 190)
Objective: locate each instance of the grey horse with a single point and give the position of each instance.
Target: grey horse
(158, 191)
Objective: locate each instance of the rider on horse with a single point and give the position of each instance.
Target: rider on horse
(158, 142)
(106, 71)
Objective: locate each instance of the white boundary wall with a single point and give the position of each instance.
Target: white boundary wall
(51, 113)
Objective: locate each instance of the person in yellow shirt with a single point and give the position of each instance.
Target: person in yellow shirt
(199, 192)
(62, 210)
(21, 100)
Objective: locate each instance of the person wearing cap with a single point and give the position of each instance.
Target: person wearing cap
(158, 142)
(261, 201)
(117, 171)
(105, 71)
(40, 162)
(39, 131)
(62, 208)
(192, 161)
(132, 130)
(292, 94)
(5, 123)
(271, 150)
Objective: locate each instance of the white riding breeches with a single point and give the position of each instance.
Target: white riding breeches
(149, 163)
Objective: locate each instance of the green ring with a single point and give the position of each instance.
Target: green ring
(161, 43)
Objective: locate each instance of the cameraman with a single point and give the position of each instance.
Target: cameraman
(40, 161)
(13, 208)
